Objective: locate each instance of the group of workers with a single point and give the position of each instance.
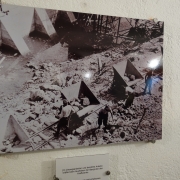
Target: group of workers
(65, 113)
(66, 110)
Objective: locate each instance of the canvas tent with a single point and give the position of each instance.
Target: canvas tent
(121, 70)
(20, 22)
(14, 127)
(11, 128)
(73, 92)
(120, 80)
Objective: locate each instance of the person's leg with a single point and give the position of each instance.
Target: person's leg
(56, 134)
(145, 88)
(65, 125)
(65, 128)
(131, 99)
(99, 122)
(66, 131)
(127, 103)
(64, 136)
(150, 85)
(105, 123)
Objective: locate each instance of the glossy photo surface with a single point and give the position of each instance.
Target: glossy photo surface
(70, 79)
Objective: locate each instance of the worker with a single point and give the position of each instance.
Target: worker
(64, 119)
(130, 97)
(136, 23)
(148, 81)
(84, 101)
(103, 117)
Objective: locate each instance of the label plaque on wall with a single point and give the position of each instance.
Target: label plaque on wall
(94, 167)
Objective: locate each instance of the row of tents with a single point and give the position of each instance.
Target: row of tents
(73, 92)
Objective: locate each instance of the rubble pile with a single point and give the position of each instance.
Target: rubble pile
(126, 125)
(36, 105)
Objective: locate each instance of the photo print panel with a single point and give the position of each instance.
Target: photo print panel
(72, 79)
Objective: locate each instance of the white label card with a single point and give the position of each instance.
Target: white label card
(93, 167)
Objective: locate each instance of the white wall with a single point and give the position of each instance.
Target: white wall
(131, 161)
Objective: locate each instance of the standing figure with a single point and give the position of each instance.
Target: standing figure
(0, 7)
(84, 101)
(148, 81)
(136, 22)
(103, 117)
(130, 97)
(64, 119)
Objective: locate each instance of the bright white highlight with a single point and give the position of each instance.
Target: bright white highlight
(153, 63)
(87, 75)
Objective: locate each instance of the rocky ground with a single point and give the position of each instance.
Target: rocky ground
(34, 106)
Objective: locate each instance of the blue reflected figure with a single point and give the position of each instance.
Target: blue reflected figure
(148, 81)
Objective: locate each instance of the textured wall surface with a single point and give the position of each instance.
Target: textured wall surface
(129, 161)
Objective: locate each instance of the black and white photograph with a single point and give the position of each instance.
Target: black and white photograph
(70, 79)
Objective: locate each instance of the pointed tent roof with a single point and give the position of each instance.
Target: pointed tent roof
(75, 90)
(126, 67)
(19, 22)
(72, 91)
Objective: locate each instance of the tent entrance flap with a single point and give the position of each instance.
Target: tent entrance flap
(74, 91)
(88, 93)
(130, 69)
(123, 72)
